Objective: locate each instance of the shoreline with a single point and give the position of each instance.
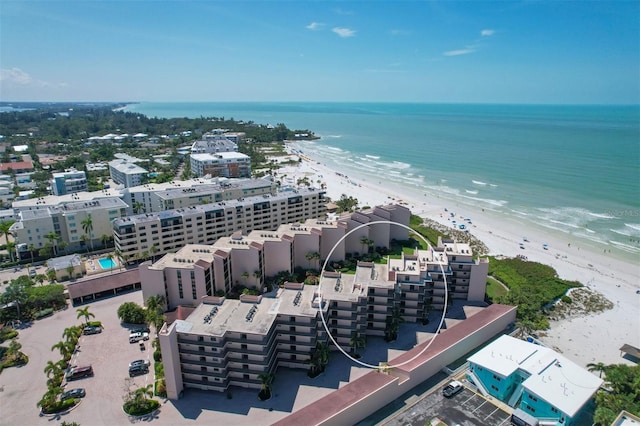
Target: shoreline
(615, 278)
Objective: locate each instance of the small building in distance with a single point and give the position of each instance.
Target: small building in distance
(70, 266)
(227, 164)
(126, 173)
(68, 182)
(533, 378)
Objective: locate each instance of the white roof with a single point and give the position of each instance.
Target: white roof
(552, 376)
(219, 156)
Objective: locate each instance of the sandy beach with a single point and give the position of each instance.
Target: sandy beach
(583, 339)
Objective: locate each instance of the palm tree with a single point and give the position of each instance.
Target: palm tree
(11, 248)
(245, 277)
(87, 227)
(118, 255)
(53, 240)
(72, 333)
(393, 324)
(5, 228)
(51, 276)
(600, 367)
(366, 242)
(84, 312)
(265, 385)
(110, 257)
(357, 341)
(105, 240)
(52, 369)
(257, 275)
(323, 354)
(32, 248)
(138, 207)
(61, 346)
(83, 240)
(155, 311)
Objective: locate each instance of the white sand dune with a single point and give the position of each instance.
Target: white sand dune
(592, 338)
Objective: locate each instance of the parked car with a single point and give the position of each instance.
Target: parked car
(79, 372)
(141, 329)
(452, 388)
(136, 337)
(138, 362)
(73, 393)
(138, 370)
(92, 330)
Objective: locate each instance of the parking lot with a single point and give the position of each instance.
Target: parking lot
(466, 408)
(109, 353)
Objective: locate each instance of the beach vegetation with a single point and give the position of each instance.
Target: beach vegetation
(532, 287)
(346, 203)
(620, 392)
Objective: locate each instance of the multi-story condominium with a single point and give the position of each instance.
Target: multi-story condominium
(247, 260)
(230, 342)
(534, 379)
(126, 173)
(35, 225)
(227, 164)
(174, 195)
(212, 144)
(159, 233)
(69, 182)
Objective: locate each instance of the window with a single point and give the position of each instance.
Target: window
(243, 336)
(200, 338)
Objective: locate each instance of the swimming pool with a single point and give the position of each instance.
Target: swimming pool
(106, 263)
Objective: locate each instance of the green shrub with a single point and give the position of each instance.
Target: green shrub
(131, 313)
(566, 299)
(140, 408)
(7, 334)
(94, 324)
(157, 356)
(43, 313)
(159, 369)
(161, 388)
(59, 406)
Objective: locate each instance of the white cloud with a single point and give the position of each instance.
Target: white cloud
(314, 26)
(344, 32)
(17, 77)
(487, 33)
(458, 52)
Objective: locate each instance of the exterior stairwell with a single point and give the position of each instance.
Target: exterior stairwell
(515, 396)
(478, 383)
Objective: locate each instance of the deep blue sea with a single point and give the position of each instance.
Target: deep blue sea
(571, 169)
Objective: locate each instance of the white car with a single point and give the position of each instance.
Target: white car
(136, 337)
(139, 362)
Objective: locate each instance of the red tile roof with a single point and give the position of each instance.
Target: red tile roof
(18, 165)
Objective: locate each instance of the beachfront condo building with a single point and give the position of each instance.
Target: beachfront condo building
(535, 380)
(227, 164)
(212, 143)
(69, 182)
(126, 173)
(152, 234)
(224, 342)
(35, 226)
(155, 197)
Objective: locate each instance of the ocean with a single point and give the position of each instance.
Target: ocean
(569, 169)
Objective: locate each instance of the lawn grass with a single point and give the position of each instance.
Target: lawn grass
(495, 289)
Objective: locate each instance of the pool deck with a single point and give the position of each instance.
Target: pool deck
(92, 265)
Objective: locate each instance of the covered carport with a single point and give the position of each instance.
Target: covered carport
(106, 285)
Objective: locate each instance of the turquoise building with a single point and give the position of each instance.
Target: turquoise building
(533, 378)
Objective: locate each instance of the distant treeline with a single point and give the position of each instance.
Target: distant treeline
(64, 122)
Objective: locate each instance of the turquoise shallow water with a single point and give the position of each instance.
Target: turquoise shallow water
(571, 169)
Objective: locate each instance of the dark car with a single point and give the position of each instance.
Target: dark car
(79, 372)
(91, 330)
(73, 393)
(140, 329)
(139, 362)
(452, 388)
(138, 370)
